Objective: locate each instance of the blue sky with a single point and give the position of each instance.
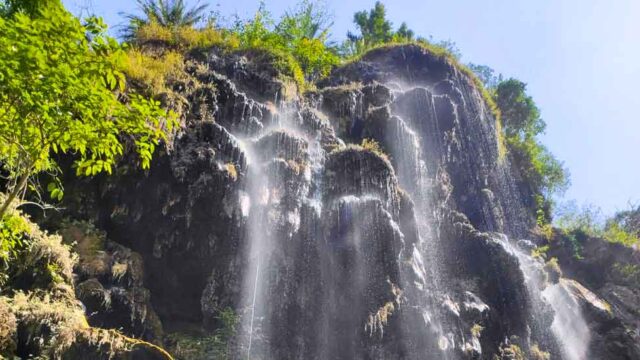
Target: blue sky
(580, 59)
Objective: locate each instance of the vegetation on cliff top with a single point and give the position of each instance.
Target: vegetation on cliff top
(62, 92)
(299, 49)
(622, 228)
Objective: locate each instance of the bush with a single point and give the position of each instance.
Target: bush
(542, 174)
(207, 346)
(185, 38)
(588, 221)
(29, 257)
(154, 72)
(296, 35)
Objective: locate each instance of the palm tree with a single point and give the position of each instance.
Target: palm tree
(169, 13)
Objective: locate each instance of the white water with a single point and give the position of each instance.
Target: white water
(568, 325)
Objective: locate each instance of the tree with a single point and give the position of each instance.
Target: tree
(374, 26)
(521, 116)
(486, 74)
(404, 33)
(61, 92)
(304, 32)
(308, 20)
(30, 7)
(167, 13)
(543, 174)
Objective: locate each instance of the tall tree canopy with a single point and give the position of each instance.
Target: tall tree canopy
(61, 91)
(168, 13)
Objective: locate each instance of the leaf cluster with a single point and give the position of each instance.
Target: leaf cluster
(62, 91)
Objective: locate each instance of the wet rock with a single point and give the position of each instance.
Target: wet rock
(614, 326)
(360, 172)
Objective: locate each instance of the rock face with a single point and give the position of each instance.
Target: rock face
(389, 250)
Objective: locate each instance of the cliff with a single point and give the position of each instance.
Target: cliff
(373, 217)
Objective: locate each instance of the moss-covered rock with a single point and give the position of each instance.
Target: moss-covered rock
(110, 283)
(41, 317)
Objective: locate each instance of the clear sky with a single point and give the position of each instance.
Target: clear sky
(580, 59)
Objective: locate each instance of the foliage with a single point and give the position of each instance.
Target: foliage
(374, 146)
(151, 71)
(486, 75)
(31, 255)
(166, 13)
(628, 220)
(521, 121)
(538, 354)
(60, 92)
(56, 328)
(476, 330)
(207, 346)
(185, 38)
(374, 29)
(589, 221)
(32, 8)
(630, 273)
(8, 329)
(615, 233)
(300, 34)
(540, 252)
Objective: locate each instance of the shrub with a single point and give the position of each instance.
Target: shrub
(297, 36)
(537, 353)
(154, 72)
(207, 346)
(31, 258)
(61, 83)
(185, 38)
(629, 273)
(615, 233)
(588, 221)
(374, 146)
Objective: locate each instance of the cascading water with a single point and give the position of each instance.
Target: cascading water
(353, 255)
(568, 325)
(570, 330)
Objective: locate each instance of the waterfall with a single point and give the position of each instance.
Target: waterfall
(568, 325)
(350, 253)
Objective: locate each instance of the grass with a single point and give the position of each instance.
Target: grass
(186, 38)
(154, 71)
(368, 145)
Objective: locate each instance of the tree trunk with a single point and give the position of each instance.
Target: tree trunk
(12, 196)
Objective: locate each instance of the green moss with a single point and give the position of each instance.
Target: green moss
(30, 257)
(368, 145)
